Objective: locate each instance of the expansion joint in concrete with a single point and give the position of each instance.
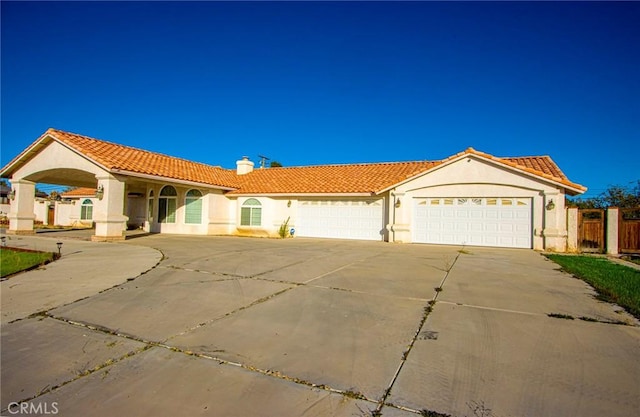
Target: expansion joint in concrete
(426, 311)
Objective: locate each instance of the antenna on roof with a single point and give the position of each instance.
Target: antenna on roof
(263, 160)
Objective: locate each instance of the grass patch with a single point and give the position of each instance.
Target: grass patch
(614, 283)
(13, 261)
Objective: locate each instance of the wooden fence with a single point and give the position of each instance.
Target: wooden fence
(591, 230)
(629, 230)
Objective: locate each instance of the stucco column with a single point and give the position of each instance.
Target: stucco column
(108, 212)
(21, 215)
(572, 229)
(613, 214)
(555, 227)
(400, 206)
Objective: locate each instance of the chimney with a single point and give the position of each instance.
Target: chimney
(244, 166)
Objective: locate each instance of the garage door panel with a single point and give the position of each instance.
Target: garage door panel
(502, 221)
(343, 219)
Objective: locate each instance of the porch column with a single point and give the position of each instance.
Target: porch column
(555, 223)
(109, 210)
(613, 214)
(21, 215)
(398, 212)
(572, 229)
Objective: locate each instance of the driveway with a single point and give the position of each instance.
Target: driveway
(227, 326)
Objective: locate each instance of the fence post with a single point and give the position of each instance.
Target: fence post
(572, 229)
(612, 230)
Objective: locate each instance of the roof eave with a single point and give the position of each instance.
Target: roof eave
(25, 155)
(574, 189)
(360, 194)
(160, 179)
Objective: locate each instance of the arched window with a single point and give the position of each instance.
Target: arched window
(150, 207)
(193, 203)
(251, 213)
(167, 203)
(86, 210)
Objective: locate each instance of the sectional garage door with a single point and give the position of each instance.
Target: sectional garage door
(343, 219)
(502, 222)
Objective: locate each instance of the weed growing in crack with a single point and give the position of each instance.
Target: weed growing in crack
(561, 316)
(431, 413)
(353, 394)
(438, 289)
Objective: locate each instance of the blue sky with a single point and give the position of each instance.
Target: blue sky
(332, 82)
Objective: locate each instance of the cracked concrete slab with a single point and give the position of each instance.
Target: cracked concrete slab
(41, 353)
(388, 274)
(518, 364)
(166, 302)
(297, 314)
(523, 280)
(160, 382)
(348, 341)
(79, 273)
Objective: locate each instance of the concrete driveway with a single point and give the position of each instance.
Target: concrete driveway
(228, 326)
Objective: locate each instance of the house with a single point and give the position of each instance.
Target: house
(470, 198)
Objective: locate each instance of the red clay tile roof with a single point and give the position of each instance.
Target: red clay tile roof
(115, 158)
(331, 179)
(79, 192)
(322, 179)
(542, 166)
(376, 177)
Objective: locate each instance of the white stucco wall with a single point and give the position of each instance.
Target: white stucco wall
(274, 213)
(215, 212)
(41, 210)
(67, 214)
(220, 213)
(56, 157)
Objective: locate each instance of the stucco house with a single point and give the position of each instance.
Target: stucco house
(470, 198)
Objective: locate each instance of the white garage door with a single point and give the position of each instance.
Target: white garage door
(503, 222)
(343, 219)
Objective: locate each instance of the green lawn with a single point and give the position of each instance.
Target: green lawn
(614, 283)
(12, 261)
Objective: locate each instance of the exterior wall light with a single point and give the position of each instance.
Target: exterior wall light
(289, 203)
(551, 205)
(398, 204)
(100, 192)
(12, 194)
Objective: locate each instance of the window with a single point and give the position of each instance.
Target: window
(167, 203)
(150, 207)
(251, 213)
(193, 203)
(86, 210)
